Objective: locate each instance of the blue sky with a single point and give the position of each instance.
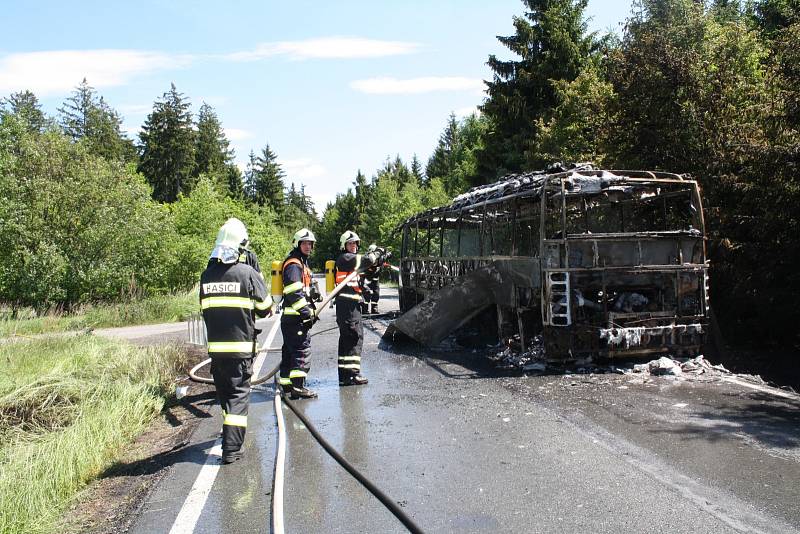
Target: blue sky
(333, 87)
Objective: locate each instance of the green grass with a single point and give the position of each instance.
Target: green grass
(67, 407)
(160, 309)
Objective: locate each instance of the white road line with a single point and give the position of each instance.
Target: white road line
(192, 507)
(764, 389)
(196, 500)
(277, 485)
(268, 343)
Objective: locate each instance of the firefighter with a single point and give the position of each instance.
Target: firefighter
(371, 286)
(231, 295)
(348, 308)
(298, 317)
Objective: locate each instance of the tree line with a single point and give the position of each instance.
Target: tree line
(709, 88)
(89, 215)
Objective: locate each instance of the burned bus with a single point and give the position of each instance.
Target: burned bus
(591, 262)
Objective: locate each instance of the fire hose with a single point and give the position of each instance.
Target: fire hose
(387, 501)
(380, 495)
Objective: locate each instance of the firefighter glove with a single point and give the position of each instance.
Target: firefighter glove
(315, 294)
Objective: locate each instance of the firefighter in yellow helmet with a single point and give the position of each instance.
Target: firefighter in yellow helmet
(298, 317)
(348, 307)
(232, 294)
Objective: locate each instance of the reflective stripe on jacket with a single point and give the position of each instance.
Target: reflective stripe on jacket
(296, 285)
(346, 263)
(231, 296)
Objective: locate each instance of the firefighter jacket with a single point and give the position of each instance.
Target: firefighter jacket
(297, 286)
(231, 295)
(346, 263)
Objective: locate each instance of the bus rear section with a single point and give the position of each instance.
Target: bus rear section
(624, 269)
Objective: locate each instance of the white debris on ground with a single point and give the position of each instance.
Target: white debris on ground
(533, 361)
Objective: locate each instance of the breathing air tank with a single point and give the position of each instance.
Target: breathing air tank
(277, 282)
(330, 280)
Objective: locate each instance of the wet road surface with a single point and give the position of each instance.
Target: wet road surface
(462, 449)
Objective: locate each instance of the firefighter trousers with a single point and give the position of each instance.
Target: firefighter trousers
(295, 352)
(351, 337)
(374, 293)
(232, 380)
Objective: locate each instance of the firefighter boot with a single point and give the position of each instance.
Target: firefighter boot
(299, 391)
(355, 380)
(374, 309)
(228, 457)
(287, 390)
(364, 308)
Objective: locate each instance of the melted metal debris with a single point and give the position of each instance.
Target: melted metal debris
(533, 361)
(636, 336)
(511, 357)
(576, 183)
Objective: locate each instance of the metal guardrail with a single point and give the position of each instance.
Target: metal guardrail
(197, 330)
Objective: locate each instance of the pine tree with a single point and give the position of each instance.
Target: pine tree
(86, 117)
(308, 204)
(552, 44)
(167, 144)
(25, 105)
(212, 148)
(267, 180)
(443, 161)
(76, 111)
(403, 175)
(233, 181)
(416, 170)
(250, 177)
(293, 198)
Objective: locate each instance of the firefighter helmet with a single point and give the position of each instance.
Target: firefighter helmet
(231, 238)
(372, 248)
(303, 234)
(348, 237)
(232, 234)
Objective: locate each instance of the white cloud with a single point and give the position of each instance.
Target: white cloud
(237, 134)
(302, 169)
(327, 48)
(60, 71)
(393, 86)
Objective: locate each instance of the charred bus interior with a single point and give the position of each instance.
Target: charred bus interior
(592, 262)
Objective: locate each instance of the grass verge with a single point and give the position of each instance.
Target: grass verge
(159, 309)
(68, 406)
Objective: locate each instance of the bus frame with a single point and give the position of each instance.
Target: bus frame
(594, 262)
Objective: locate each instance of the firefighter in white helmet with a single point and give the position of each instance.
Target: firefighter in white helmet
(232, 294)
(348, 307)
(298, 317)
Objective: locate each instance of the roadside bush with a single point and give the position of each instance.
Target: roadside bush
(76, 228)
(197, 219)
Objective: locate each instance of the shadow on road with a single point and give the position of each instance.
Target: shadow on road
(763, 418)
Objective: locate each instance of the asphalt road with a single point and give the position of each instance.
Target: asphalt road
(463, 449)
